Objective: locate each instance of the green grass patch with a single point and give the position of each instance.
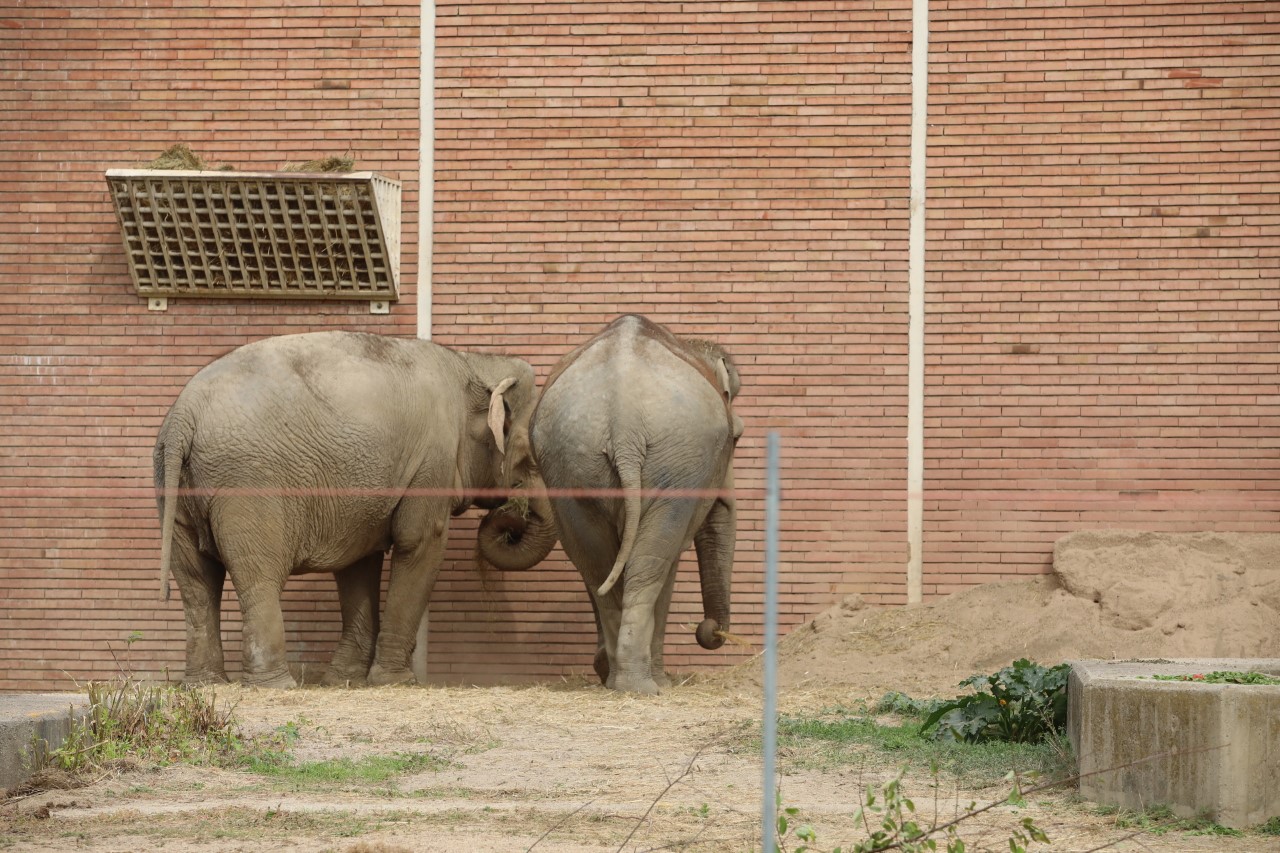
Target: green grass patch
(835, 741)
(369, 770)
(1221, 677)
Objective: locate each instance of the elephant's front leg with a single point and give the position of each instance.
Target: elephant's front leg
(415, 563)
(358, 594)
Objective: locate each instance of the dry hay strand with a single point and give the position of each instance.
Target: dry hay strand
(56, 779)
(727, 636)
(177, 156)
(49, 779)
(180, 157)
(344, 163)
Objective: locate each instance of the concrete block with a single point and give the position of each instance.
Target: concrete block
(26, 715)
(1200, 749)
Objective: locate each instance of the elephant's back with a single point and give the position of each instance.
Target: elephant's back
(313, 407)
(628, 392)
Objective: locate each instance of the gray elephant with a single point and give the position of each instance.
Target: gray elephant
(640, 409)
(318, 453)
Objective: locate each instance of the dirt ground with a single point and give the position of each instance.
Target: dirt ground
(570, 766)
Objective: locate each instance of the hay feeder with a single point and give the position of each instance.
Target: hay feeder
(264, 235)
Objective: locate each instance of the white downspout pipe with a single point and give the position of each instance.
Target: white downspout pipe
(916, 301)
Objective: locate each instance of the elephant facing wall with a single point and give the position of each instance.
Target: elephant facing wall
(640, 409)
(320, 452)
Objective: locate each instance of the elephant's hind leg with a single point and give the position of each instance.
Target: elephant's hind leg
(600, 663)
(662, 607)
(259, 569)
(358, 587)
(646, 596)
(200, 579)
(591, 544)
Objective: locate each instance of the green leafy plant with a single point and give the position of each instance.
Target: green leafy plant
(894, 702)
(1222, 677)
(1024, 703)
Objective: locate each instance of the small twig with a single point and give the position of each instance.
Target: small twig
(560, 823)
(688, 768)
(681, 844)
(1115, 841)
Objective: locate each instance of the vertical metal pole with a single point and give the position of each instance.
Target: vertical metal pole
(770, 726)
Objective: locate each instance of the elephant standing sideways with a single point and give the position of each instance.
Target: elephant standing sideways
(640, 409)
(319, 452)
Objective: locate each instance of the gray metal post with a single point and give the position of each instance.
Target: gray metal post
(770, 726)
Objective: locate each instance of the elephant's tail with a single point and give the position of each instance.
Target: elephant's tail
(170, 455)
(629, 473)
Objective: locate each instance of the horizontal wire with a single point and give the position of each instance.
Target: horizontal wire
(1028, 500)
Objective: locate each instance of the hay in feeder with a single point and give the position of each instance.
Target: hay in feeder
(344, 163)
(178, 156)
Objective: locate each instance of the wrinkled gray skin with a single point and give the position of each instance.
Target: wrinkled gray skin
(638, 408)
(302, 453)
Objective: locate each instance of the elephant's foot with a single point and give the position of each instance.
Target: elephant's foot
(635, 684)
(200, 677)
(344, 677)
(380, 677)
(661, 679)
(601, 665)
(281, 680)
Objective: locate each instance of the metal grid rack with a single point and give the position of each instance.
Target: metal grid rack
(259, 234)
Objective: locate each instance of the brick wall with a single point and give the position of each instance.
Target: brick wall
(86, 372)
(1103, 276)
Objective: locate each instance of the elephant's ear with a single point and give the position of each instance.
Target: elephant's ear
(722, 373)
(498, 412)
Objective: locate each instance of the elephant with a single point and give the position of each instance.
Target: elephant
(319, 452)
(640, 409)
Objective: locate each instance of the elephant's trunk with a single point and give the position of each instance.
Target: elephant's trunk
(715, 544)
(514, 537)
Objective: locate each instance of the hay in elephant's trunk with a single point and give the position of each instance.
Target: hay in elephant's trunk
(724, 635)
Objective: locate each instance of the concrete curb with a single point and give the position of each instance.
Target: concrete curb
(1200, 749)
(23, 716)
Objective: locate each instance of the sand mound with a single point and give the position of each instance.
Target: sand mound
(1113, 594)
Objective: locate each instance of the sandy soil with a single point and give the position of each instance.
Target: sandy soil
(574, 767)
